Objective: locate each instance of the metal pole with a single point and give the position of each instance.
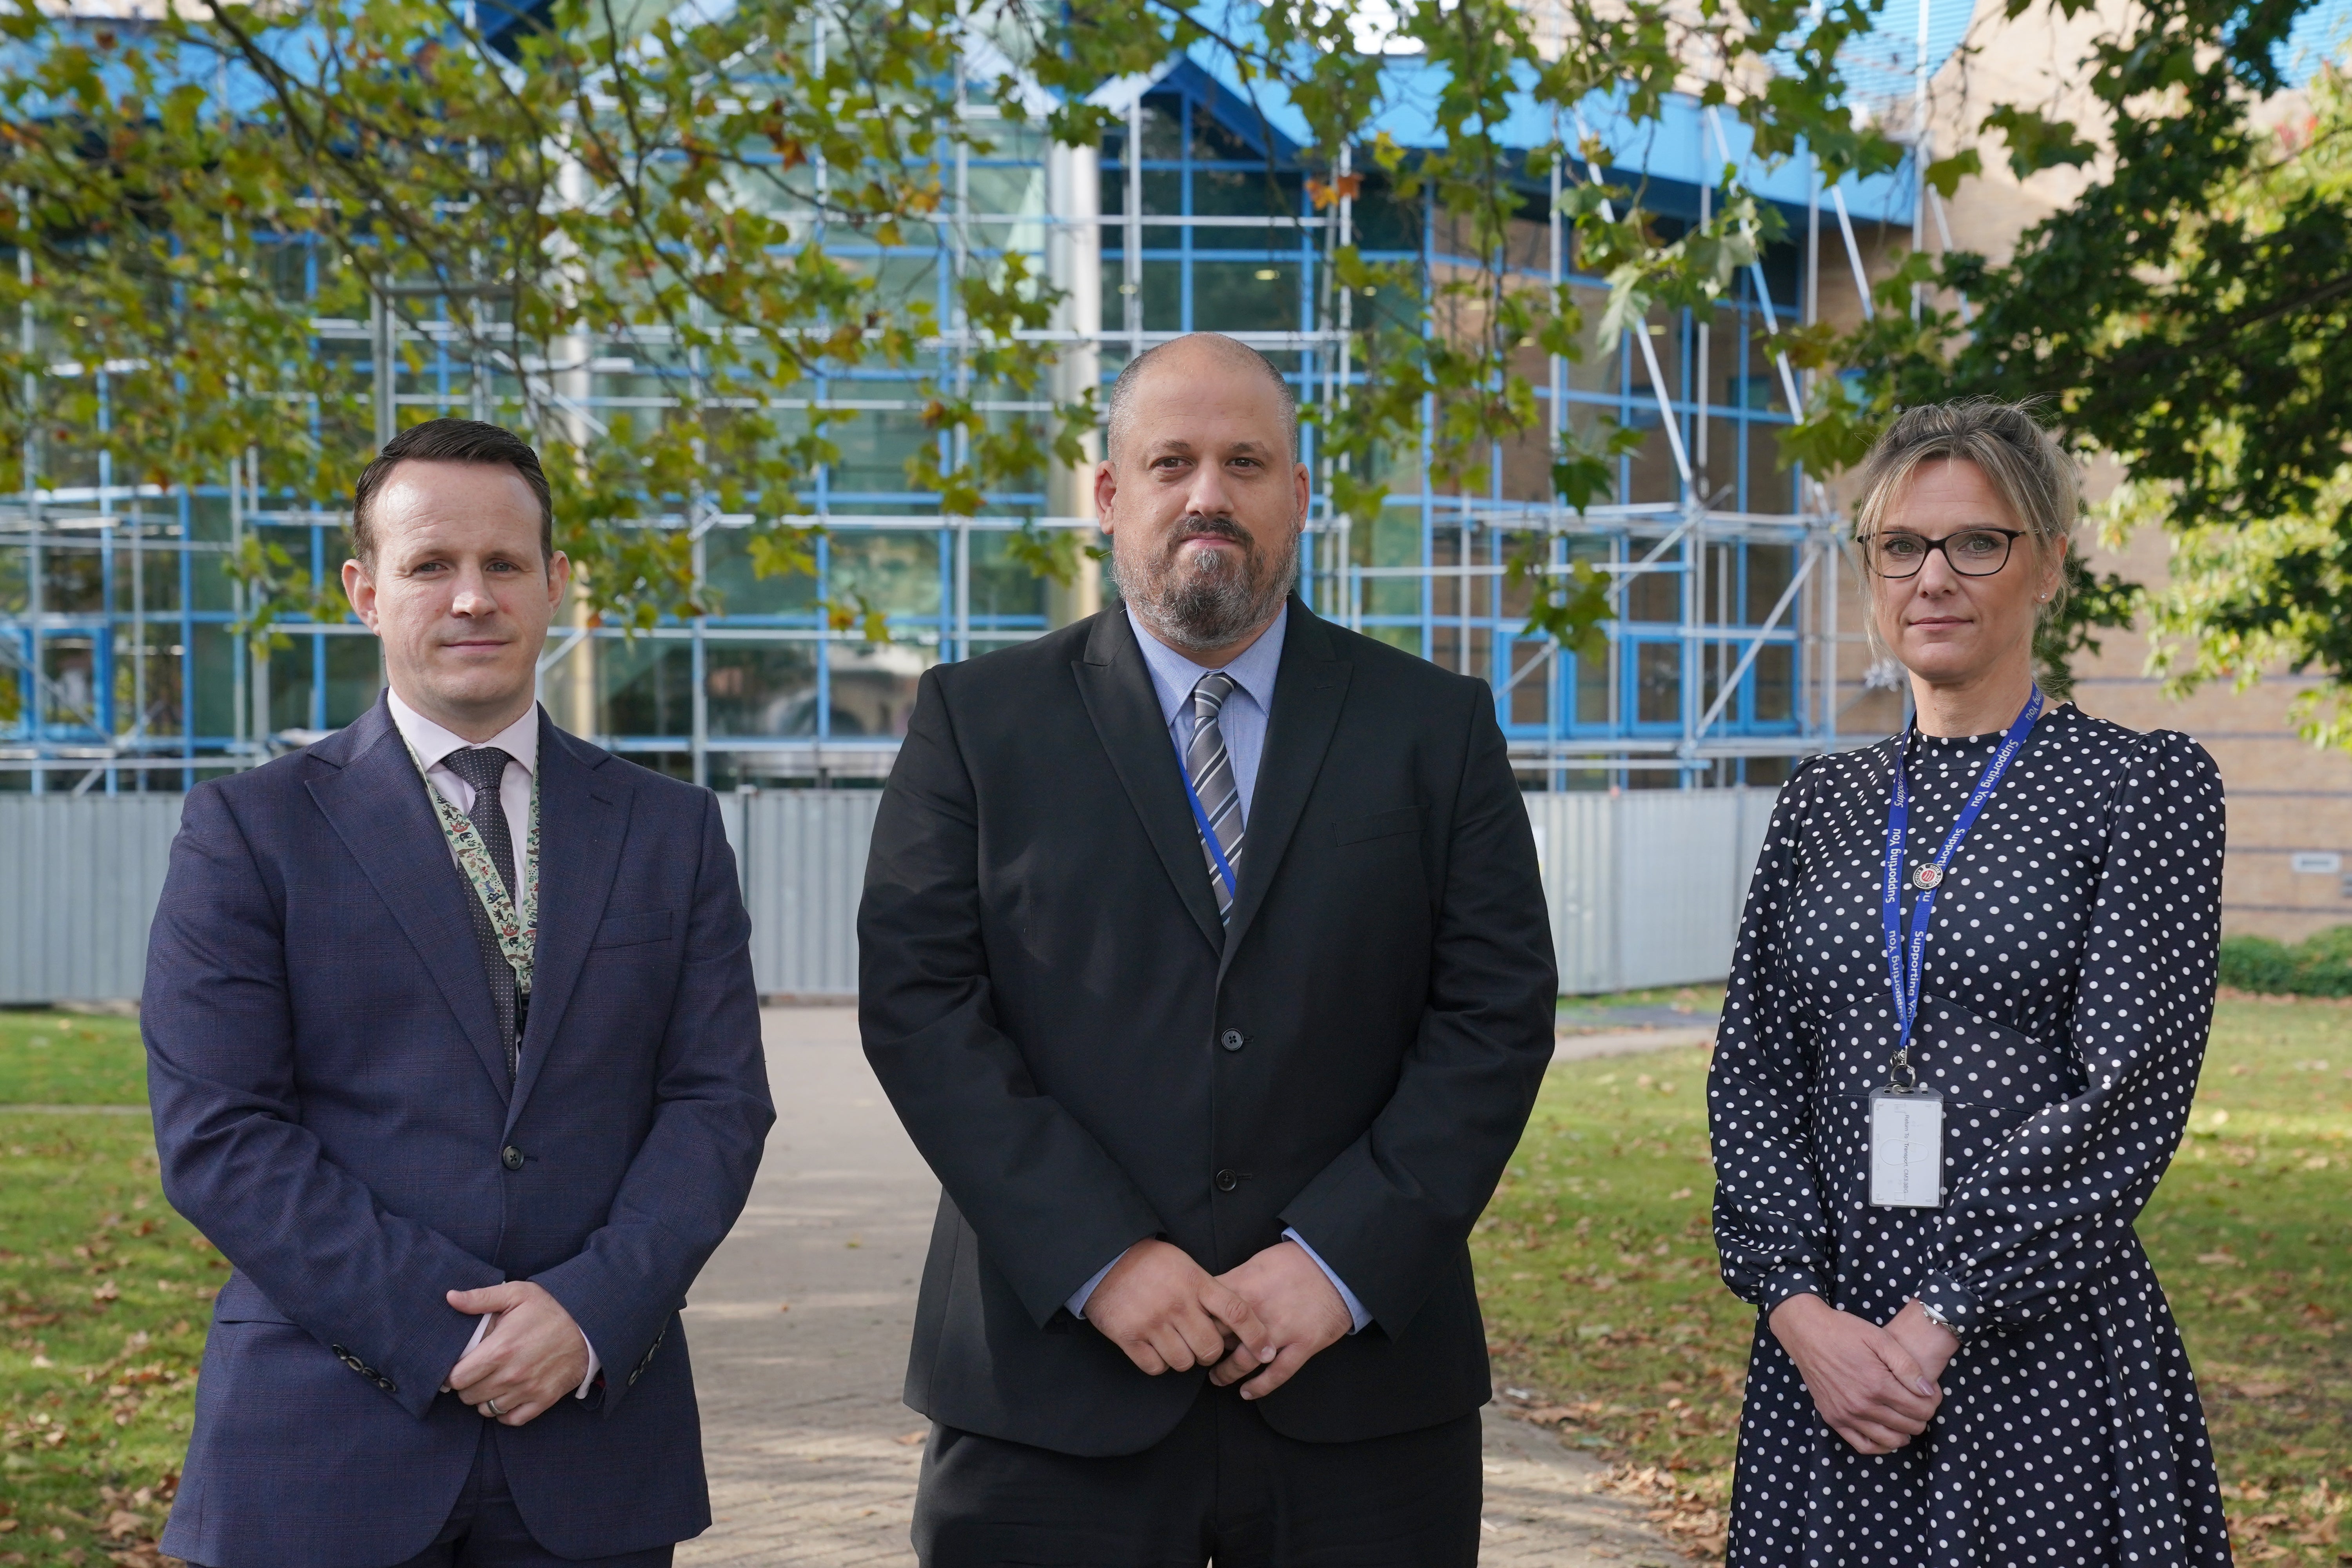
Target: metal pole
(35, 568)
(1131, 246)
(1919, 149)
(386, 425)
(1854, 255)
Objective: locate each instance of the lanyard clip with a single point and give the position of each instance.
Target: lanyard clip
(1902, 1075)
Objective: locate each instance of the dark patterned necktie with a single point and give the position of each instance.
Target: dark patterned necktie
(485, 768)
(1209, 766)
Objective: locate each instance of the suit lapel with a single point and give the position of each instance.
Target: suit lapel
(1117, 690)
(376, 804)
(1310, 686)
(582, 818)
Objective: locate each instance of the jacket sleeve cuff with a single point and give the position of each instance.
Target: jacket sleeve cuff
(1356, 1314)
(1953, 1303)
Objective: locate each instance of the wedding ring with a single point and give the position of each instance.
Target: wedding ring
(492, 1405)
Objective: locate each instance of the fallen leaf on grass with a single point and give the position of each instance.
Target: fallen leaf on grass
(2221, 1260)
(1550, 1414)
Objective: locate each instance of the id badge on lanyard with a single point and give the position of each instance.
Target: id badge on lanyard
(1906, 1148)
(1906, 1121)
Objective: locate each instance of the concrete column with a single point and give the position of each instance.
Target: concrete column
(1073, 265)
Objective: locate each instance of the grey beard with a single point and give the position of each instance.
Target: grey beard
(1210, 606)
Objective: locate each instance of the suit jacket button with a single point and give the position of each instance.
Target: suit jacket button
(510, 1157)
(1232, 1039)
(1227, 1181)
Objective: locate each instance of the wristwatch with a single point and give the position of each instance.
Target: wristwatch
(1934, 1315)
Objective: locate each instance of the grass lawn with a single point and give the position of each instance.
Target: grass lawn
(1598, 1270)
(1610, 1321)
(104, 1293)
(67, 1058)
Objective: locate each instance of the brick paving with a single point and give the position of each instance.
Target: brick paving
(798, 1331)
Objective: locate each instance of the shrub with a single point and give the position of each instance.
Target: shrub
(2320, 965)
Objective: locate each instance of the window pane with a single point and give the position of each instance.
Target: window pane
(1529, 697)
(1771, 488)
(757, 690)
(1592, 689)
(874, 686)
(1658, 683)
(646, 686)
(354, 671)
(1233, 193)
(1655, 477)
(1655, 592)
(894, 572)
(1769, 569)
(1776, 685)
(1245, 297)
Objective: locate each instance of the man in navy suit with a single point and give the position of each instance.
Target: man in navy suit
(455, 1055)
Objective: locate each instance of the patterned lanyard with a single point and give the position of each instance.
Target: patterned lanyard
(1902, 976)
(517, 929)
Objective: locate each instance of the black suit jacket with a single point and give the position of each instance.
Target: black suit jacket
(1087, 1058)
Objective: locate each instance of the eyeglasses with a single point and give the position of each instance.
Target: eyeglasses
(1971, 553)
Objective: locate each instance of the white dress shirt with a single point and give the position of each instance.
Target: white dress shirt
(1243, 722)
(519, 741)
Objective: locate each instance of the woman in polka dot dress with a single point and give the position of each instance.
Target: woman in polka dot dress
(1997, 1379)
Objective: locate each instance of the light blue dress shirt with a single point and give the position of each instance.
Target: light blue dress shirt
(1243, 720)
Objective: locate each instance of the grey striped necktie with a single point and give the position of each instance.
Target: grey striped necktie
(1210, 767)
(485, 768)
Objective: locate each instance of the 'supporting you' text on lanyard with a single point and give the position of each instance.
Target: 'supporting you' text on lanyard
(1903, 975)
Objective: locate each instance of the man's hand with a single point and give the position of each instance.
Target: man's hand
(1295, 1299)
(1868, 1388)
(532, 1356)
(1932, 1345)
(1167, 1315)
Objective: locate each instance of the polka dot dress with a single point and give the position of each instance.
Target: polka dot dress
(2065, 996)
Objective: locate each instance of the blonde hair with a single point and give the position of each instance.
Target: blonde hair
(2027, 469)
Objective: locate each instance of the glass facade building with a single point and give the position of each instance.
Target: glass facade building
(120, 668)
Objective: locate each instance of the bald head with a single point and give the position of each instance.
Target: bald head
(1193, 354)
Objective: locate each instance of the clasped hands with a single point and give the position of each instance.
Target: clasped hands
(1260, 1322)
(1875, 1386)
(534, 1355)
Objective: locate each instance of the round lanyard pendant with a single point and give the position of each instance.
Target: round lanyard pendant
(1927, 876)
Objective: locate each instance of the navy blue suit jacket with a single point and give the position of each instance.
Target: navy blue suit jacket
(333, 1110)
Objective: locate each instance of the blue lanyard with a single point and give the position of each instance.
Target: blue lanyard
(1208, 833)
(1904, 976)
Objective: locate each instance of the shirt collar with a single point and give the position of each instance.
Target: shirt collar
(1174, 676)
(432, 743)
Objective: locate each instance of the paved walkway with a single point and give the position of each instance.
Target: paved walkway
(799, 1331)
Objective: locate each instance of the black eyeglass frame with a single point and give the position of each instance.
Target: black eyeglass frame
(2012, 535)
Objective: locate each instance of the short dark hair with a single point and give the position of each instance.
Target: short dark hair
(451, 441)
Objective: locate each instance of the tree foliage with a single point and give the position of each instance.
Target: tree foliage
(192, 194)
(2190, 315)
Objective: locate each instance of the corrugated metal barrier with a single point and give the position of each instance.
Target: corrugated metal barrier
(1645, 887)
(79, 876)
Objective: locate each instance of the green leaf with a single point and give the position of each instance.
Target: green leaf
(1944, 175)
(2036, 142)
